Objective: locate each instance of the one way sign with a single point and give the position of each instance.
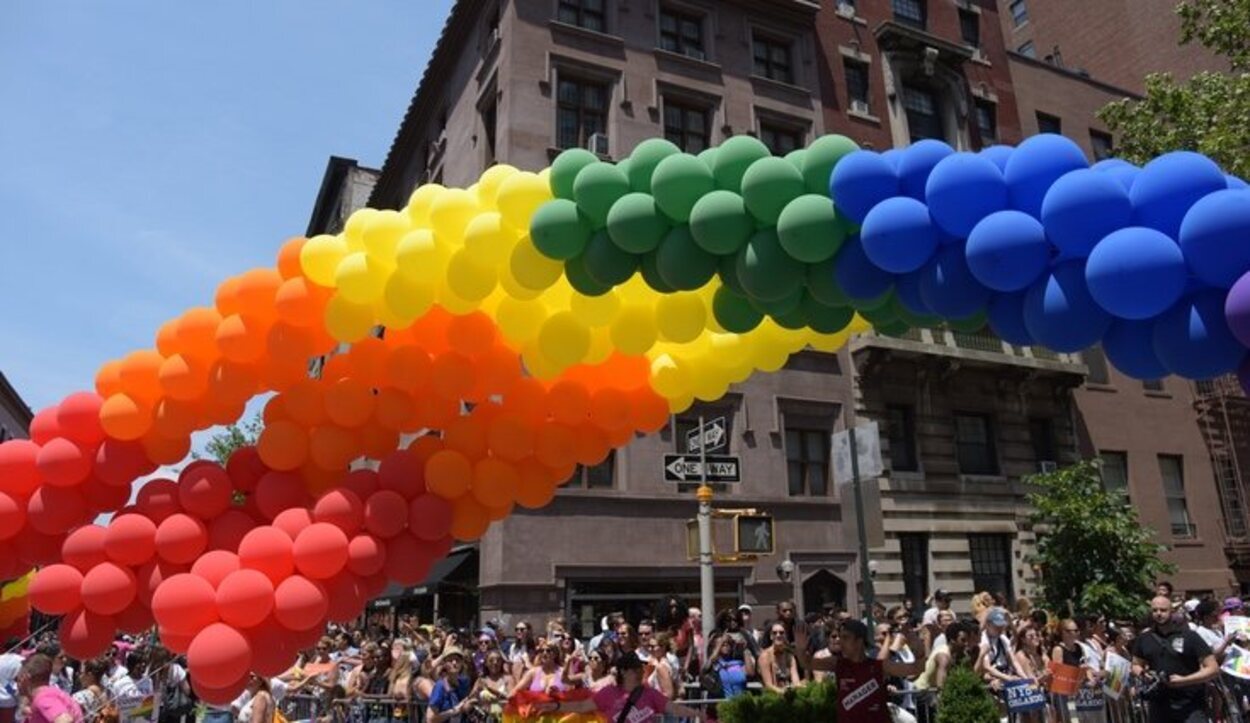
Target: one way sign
(686, 468)
(713, 437)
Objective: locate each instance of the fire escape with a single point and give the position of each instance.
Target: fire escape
(1224, 418)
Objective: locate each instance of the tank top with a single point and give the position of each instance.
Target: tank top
(1073, 657)
(861, 691)
(540, 683)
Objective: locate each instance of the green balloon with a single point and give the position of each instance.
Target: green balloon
(681, 263)
(580, 279)
(566, 167)
(795, 157)
(768, 185)
(767, 272)
(733, 158)
(651, 274)
(824, 318)
(646, 156)
(809, 228)
(884, 299)
(823, 285)
(911, 318)
(596, 188)
(559, 229)
(796, 318)
(678, 182)
(969, 324)
(623, 166)
(606, 262)
(881, 315)
(727, 269)
(821, 157)
(708, 156)
(779, 307)
(733, 312)
(636, 224)
(895, 329)
(720, 222)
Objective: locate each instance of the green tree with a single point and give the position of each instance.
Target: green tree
(966, 699)
(1210, 113)
(1094, 554)
(222, 444)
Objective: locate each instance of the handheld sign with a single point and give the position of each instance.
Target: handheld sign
(1064, 679)
(1023, 696)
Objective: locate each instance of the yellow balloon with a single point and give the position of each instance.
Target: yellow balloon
(468, 279)
(858, 325)
(680, 317)
(488, 185)
(537, 364)
(388, 318)
(360, 278)
(347, 321)
(454, 303)
(451, 212)
(354, 228)
(420, 201)
(634, 330)
(488, 240)
(407, 298)
(669, 377)
(520, 320)
(420, 257)
(514, 288)
(595, 310)
(519, 197)
(600, 346)
(382, 234)
(320, 258)
(563, 339)
(680, 404)
(530, 268)
(708, 386)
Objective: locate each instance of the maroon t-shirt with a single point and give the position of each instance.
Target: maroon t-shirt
(861, 692)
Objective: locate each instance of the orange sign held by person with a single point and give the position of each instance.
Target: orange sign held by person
(1064, 679)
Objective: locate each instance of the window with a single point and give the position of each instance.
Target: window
(582, 109)
(1101, 143)
(1172, 469)
(599, 477)
(1115, 472)
(780, 139)
(856, 82)
(490, 119)
(974, 444)
(902, 436)
(807, 460)
(914, 549)
(923, 117)
(1042, 436)
(686, 125)
(1096, 360)
(991, 563)
(1019, 12)
(987, 122)
(772, 59)
(587, 14)
(1047, 123)
(1027, 50)
(681, 33)
(1152, 385)
(970, 27)
(910, 12)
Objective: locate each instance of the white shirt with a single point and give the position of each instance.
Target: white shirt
(10, 665)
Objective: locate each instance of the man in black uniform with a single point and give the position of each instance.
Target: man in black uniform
(1181, 659)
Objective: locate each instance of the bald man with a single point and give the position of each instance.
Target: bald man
(1184, 661)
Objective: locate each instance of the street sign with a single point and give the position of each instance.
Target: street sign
(686, 468)
(867, 451)
(754, 535)
(714, 437)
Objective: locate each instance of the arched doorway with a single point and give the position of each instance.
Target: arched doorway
(823, 588)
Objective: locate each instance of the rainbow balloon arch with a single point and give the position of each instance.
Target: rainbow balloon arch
(536, 321)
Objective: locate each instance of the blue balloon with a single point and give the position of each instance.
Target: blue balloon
(1060, 313)
(1130, 347)
(1006, 317)
(1236, 183)
(963, 189)
(907, 287)
(861, 180)
(916, 162)
(1008, 251)
(859, 278)
(1108, 164)
(1136, 273)
(1036, 165)
(1215, 237)
(1169, 185)
(893, 155)
(1193, 340)
(948, 287)
(1083, 207)
(999, 155)
(898, 235)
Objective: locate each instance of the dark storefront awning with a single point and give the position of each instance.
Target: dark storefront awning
(438, 573)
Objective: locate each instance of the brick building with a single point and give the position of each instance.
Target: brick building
(15, 416)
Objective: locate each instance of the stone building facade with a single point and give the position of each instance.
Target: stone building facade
(15, 416)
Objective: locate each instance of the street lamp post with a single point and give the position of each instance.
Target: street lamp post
(706, 582)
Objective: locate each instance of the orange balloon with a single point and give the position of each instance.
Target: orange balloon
(108, 380)
(319, 481)
(167, 337)
(649, 411)
(408, 368)
(283, 445)
(336, 367)
(498, 513)
(257, 289)
(435, 412)
(424, 447)
(242, 338)
(569, 403)
(469, 519)
(619, 437)
(166, 450)
(471, 334)
(289, 343)
(275, 410)
(322, 342)
(395, 410)
(288, 257)
(592, 446)
(140, 374)
(377, 441)
(527, 398)
(183, 378)
(495, 482)
(227, 299)
(298, 302)
(333, 448)
(280, 375)
(499, 369)
(609, 409)
(448, 474)
(223, 411)
(197, 333)
(467, 435)
(511, 437)
(305, 403)
(349, 403)
(430, 331)
(231, 381)
(556, 445)
(174, 419)
(368, 360)
(124, 418)
(452, 375)
(535, 488)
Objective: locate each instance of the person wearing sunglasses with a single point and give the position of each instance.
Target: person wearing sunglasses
(779, 668)
(860, 679)
(626, 698)
(521, 652)
(547, 675)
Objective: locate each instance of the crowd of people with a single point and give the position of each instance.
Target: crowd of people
(663, 668)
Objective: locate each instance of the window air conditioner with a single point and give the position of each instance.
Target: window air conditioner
(1047, 466)
(859, 106)
(846, 10)
(598, 144)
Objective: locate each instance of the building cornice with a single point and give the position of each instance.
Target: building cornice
(14, 401)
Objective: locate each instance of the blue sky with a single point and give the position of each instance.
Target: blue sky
(151, 148)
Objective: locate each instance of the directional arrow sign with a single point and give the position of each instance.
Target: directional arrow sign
(686, 468)
(713, 436)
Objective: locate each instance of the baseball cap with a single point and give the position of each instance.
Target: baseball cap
(1232, 603)
(1191, 605)
(744, 608)
(997, 617)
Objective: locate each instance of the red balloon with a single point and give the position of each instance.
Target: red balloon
(101, 497)
(185, 604)
(408, 559)
(214, 696)
(63, 463)
(386, 513)
(120, 463)
(54, 510)
(272, 651)
(134, 619)
(19, 471)
(151, 575)
(83, 634)
(278, 491)
(429, 517)
(12, 516)
(245, 468)
(269, 550)
(180, 539)
(158, 499)
(130, 540)
(78, 416)
(84, 547)
(404, 472)
(36, 548)
(228, 530)
(108, 588)
(320, 551)
(215, 565)
(204, 489)
(346, 594)
(341, 508)
(362, 482)
(293, 521)
(177, 643)
(245, 598)
(44, 426)
(219, 656)
(300, 603)
(366, 555)
(56, 589)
